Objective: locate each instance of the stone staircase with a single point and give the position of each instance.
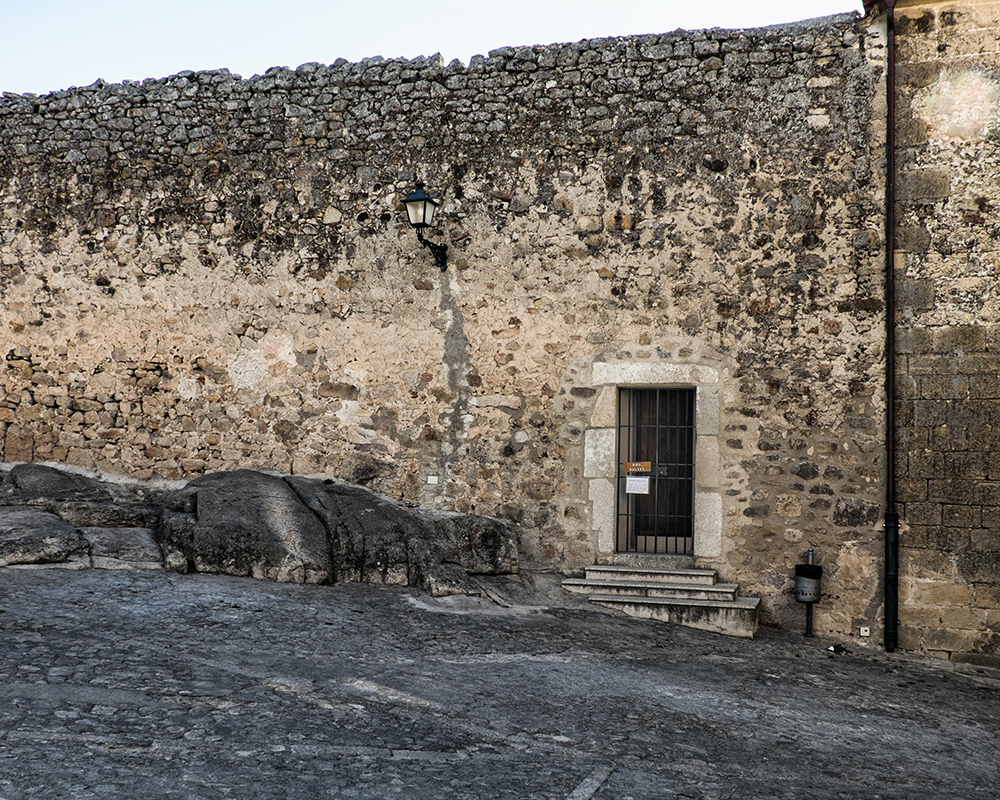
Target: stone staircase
(677, 594)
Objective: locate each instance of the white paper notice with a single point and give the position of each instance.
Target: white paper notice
(636, 484)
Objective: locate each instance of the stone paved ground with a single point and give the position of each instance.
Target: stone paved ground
(150, 685)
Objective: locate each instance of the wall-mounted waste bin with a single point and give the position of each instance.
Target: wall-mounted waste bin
(808, 578)
(807, 582)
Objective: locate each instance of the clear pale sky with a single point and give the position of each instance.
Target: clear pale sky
(46, 45)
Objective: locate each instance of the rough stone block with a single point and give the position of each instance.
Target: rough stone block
(930, 413)
(601, 493)
(906, 387)
(953, 516)
(948, 540)
(599, 453)
(935, 595)
(911, 490)
(926, 564)
(987, 595)
(933, 183)
(922, 363)
(979, 566)
(972, 492)
(965, 338)
(914, 536)
(991, 516)
(32, 536)
(945, 618)
(935, 639)
(986, 540)
(856, 512)
(923, 513)
(985, 385)
(605, 414)
(915, 294)
(913, 339)
(911, 132)
(943, 387)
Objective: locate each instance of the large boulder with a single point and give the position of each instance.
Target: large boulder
(78, 500)
(302, 529)
(245, 523)
(376, 540)
(480, 545)
(248, 523)
(34, 482)
(372, 540)
(33, 536)
(122, 548)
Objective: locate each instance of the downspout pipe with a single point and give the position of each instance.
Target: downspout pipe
(891, 578)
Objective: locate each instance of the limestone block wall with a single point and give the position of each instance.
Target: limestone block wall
(948, 262)
(204, 272)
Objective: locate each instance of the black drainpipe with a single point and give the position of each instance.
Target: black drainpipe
(891, 638)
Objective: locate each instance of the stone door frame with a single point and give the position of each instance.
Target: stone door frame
(601, 448)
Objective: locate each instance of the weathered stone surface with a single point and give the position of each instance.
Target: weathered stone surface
(32, 536)
(946, 467)
(482, 545)
(373, 539)
(230, 261)
(116, 514)
(250, 523)
(122, 548)
(245, 523)
(856, 512)
(34, 482)
(79, 500)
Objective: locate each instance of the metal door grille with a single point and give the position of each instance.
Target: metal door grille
(658, 426)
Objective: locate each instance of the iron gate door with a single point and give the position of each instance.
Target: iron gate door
(656, 515)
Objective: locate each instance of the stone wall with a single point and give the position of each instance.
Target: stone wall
(947, 262)
(204, 272)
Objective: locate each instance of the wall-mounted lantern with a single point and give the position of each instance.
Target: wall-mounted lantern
(420, 208)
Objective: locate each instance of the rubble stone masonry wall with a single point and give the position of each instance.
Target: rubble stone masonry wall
(204, 272)
(948, 268)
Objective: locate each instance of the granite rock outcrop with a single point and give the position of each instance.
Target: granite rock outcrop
(246, 523)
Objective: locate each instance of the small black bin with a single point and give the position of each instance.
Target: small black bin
(807, 581)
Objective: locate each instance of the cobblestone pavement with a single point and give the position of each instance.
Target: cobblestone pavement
(151, 685)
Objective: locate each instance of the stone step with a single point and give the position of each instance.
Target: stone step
(653, 560)
(699, 577)
(718, 591)
(733, 618)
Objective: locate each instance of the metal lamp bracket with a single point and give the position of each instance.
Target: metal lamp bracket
(440, 251)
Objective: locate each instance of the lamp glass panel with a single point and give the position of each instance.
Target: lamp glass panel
(415, 212)
(430, 206)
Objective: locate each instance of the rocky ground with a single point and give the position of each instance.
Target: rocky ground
(146, 684)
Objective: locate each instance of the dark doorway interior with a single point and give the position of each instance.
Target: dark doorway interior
(656, 426)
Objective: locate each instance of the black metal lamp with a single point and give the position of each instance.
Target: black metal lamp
(420, 208)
